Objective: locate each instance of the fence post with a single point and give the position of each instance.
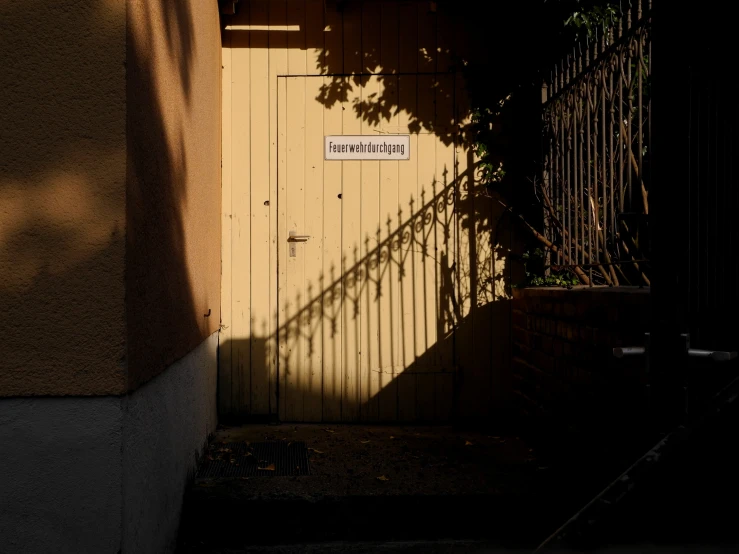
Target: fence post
(545, 181)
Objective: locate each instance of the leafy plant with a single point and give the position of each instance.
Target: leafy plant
(485, 124)
(588, 20)
(535, 275)
(494, 110)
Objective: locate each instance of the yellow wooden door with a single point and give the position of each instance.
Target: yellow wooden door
(391, 309)
(365, 249)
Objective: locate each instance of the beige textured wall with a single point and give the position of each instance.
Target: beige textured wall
(109, 191)
(62, 197)
(173, 181)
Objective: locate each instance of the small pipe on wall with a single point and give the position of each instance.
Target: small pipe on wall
(227, 7)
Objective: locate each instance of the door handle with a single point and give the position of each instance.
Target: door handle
(293, 237)
(715, 355)
(629, 351)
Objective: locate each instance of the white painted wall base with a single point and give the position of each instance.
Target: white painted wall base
(105, 474)
(60, 475)
(166, 427)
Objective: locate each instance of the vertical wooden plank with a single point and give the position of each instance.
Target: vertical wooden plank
(483, 329)
(480, 264)
(370, 230)
(473, 384)
(426, 38)
(278, 227)
(351, 272)
(446, 317)
(299, 328)
(314, 48)
(408, 199)
(314, 227)
(460, 42)
(297, 324)
(263, 203)
(370, 253)
(241, 202)
(333, 52)
(389, 52)
(225, 336)
(371, 28)
(409, 203)
(444, 40)
(352, 33)
(426, 243)
(314, 37)
(332, 268)
(351, 206)
(389, 264)
(390, 205)
(286, 298)
(333, 62)
(408, 37)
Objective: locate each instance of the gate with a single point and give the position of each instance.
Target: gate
(597, 153)
(610, 226)
(691, 350)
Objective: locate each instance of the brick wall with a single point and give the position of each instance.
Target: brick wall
(564, 371)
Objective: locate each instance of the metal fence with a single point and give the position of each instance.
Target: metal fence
(596, 171)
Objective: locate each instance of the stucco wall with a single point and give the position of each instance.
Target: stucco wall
(173, 181)
(62, 197)
(60, 484)
(166, 425)
(105, 475)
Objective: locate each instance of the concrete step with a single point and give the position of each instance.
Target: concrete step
(371, 547)
(683, 491)
(224, 516)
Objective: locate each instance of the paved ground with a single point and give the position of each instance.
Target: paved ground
(392, 460)
(396, 488)
(441, 490)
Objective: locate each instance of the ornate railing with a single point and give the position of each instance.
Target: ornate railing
(597, 150)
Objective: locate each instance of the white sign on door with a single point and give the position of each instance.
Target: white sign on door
(373, 147)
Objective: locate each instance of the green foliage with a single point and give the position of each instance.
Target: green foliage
(589, 19)
(535, 277)
(579, 19)
(567, 280)
(486, 129)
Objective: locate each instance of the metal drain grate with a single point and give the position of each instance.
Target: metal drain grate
(268, 459)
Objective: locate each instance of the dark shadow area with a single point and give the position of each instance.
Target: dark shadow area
(498, 46)
(420, 393)
(162, 323)
(686, 500)
(62, 189)
(420, 482)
